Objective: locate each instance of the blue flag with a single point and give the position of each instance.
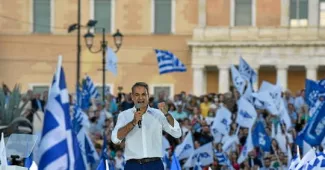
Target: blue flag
(175, 163)
(260, 137)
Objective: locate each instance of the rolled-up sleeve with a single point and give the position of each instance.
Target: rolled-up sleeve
(119, 124)
(175, 130)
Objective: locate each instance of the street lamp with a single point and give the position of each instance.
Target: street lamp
(89, 39)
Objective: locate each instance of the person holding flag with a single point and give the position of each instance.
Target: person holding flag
(141, 127)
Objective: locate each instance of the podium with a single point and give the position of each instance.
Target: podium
(18, 148)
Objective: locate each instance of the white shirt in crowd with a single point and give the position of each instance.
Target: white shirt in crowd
(145, 142)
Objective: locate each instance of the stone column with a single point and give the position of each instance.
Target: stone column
(202, 13)
(282, 76)
(311, 72)
(313, 12)
(223, 78)
(285, 13)
(255, 85)
(198, 79)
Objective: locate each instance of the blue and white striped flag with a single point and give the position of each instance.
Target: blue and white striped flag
(91, 88)
(80, 124)
(58, 148)
(168, 62)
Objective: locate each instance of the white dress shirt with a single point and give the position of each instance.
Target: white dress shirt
(145, 142)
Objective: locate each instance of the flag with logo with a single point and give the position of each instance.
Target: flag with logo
(204, 153)
(261, 138)
(111, 61)
(246, 114)
(247, 72)
(229, 142)
(246, 149)
(222, 121)
(168, 62)
(186, 148)
(238, 81)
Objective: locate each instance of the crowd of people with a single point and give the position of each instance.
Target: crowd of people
(195, 115)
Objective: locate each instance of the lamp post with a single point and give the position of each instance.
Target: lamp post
(89, 39)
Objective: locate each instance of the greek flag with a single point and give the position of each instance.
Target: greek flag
(84, 97)
(91, 88)
(168, 62)
(318, 162)
(80, 124)
(58, 148)
(104, 161)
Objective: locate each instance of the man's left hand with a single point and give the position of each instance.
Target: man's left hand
(163, 107)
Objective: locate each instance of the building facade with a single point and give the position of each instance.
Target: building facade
(281, 39)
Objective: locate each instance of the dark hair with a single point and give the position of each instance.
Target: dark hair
(140, 84)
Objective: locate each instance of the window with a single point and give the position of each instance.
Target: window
(243, 12)
(298, 13)
(42, 16)
(109, 89)
(162, 16)
(322, 13)
(156, 89)
(103, 14)
(39, 89)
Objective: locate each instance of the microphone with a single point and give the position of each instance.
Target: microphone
(137, 106)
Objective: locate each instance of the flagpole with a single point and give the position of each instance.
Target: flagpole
(104, 46)
(78, 50)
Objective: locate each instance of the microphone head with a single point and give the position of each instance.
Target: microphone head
(137, 106)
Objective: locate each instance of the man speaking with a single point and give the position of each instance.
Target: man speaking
(141, 127)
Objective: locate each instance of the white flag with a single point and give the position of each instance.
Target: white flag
(247, 148)
(247, 72)
(3, 153)
(186, 148)
(222, 121)
(237, 80)
(165, 144)
(230, 142)
(203, 153)
(111, 61)
(246, 114)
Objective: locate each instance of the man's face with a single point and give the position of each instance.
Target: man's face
(140, 96)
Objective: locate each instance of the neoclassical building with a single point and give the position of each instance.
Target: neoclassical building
(283, 40)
